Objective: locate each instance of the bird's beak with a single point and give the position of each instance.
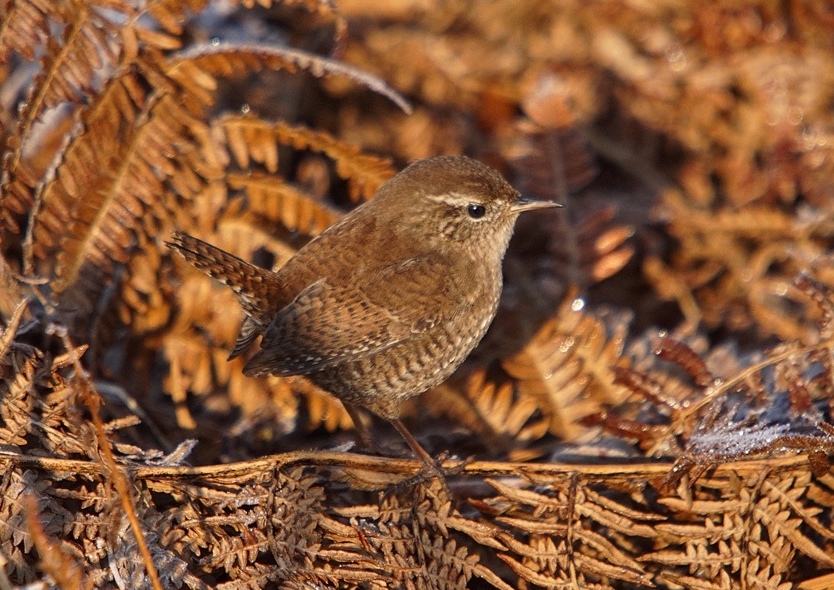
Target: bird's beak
(523, 204)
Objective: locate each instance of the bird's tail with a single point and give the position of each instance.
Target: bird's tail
(256, 287)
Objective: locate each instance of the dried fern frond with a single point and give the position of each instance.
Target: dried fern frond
(569, 367)
(250, 139)
(70, 68)
(566, 373)
(270, 198)
(493, 409)
(43, 415)
(98, 202)
(735, 268)
(202, 64)
(717, 111)
(26, 26)
(763, 408)
(549, 151)
(553, 160)
(514, 525)
(105, 190)
(591, 248)
(602, 524)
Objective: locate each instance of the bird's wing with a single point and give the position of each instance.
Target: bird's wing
(328, 324)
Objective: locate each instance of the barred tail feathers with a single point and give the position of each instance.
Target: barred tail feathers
(254, 286)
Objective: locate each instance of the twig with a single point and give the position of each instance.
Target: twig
(93, 401)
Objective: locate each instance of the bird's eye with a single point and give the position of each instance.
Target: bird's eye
(476, 211)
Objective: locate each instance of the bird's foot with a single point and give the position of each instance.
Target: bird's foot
(431, 469)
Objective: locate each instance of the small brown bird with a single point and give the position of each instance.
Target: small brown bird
(388, 301)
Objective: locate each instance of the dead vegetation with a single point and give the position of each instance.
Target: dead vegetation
(651, 408)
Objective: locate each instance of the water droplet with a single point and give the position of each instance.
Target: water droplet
(676, 58)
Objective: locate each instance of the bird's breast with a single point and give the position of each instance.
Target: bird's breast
(380, 382)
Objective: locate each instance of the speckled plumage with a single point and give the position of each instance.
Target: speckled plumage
(390, 300)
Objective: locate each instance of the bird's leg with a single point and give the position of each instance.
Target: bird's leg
(431, 467)
(415, 446)
(363, 436)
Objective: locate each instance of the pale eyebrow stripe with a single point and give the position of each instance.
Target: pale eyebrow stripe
(453, 199)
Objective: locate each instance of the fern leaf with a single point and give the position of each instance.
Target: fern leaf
(202, 64)
(25, 25)
(569, 367)
(250, 139)
(110, 174)
(272, 199)
(67, 74)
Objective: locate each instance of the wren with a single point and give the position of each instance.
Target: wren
(388, 301)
